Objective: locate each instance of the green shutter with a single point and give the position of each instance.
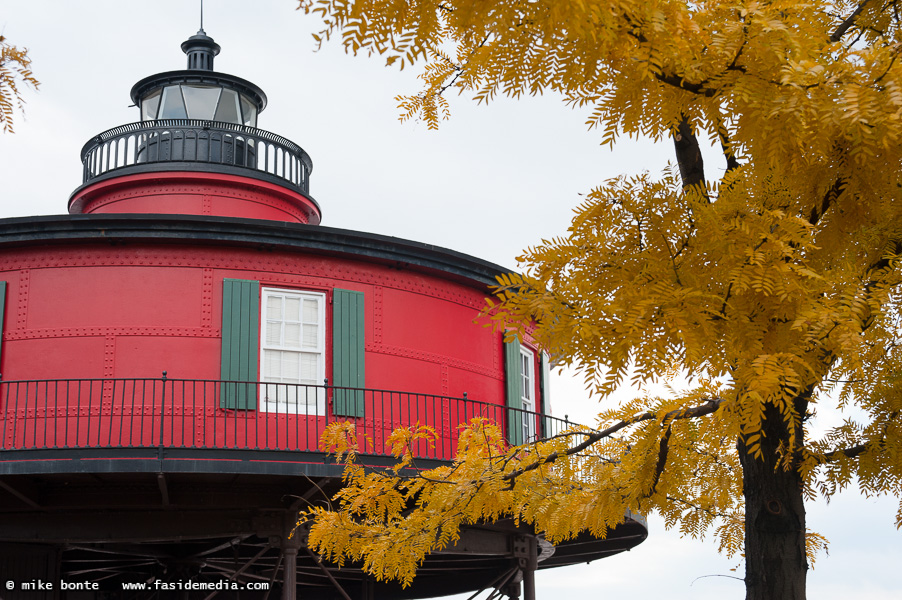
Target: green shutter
(240, 343)
(348, 353)
(2, 312)
(512, 385)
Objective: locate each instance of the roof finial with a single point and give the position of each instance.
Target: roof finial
(200, 47)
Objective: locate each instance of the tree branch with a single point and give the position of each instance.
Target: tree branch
(851, 452)
(662, 460)
(846, 25)
(689, 157)
(595, 436)
(854, 451)
(829, 200)
(726, 146)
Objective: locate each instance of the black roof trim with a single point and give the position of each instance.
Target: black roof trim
(246, 232)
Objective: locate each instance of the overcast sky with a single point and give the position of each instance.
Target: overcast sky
(494, 180)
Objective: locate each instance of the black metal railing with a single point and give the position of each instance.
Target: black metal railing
(220, 415)
(210, 143)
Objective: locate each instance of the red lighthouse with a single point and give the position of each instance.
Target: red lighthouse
(172, 350)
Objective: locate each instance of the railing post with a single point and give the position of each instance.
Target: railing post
(162, 414)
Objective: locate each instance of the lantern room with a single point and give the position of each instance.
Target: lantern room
(199, 92)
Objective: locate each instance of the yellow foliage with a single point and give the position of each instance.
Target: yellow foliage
(14, 68)
(775, 286)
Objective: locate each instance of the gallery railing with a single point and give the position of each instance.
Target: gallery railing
(208, 145)
(224, 415)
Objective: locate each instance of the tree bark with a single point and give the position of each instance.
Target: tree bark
(689, 156)
(775, 561)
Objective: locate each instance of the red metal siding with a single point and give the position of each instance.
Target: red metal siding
(193, 193)
(136, 310)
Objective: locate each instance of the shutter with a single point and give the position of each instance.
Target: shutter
(240, 343)
(512, 385)
(347, 353)
(2, 312)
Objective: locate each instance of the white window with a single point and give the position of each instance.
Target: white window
(292, 356)
(527, 392)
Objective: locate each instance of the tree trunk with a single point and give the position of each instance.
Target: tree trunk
(775, 562)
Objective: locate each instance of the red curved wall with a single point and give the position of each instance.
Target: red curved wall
(194, 193)
(133, 311)
(100, 311)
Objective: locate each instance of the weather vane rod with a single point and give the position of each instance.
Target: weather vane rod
(201, 15)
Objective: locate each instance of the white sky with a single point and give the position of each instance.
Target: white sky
(491, 182)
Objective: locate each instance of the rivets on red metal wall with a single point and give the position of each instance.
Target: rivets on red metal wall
(109, 353)
(22, 311)
(377, 314)
(33, 334)
(206, 311)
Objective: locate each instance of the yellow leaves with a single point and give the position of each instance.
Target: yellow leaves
(815, 543)
(14, 70)
(779, 284)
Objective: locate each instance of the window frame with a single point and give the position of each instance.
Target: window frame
(280, 406)
(528, 391)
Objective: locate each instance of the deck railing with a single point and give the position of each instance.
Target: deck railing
(202, 414)
(210, 144)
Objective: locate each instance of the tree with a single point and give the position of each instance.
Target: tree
(773, 287)
(14, 68)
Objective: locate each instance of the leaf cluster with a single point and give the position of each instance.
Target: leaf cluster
(15, 69)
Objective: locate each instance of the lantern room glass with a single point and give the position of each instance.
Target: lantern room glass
(150, 104)
(202, 102)
(228, 110)
(172, 105)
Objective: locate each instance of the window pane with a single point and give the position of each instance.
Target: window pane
(293, 335)
(290, 367)
(228, 109)
(292, 309)
(273, 333)
(201, 100)
(149, 106)
(309, 364)
(173, 107)
(272, 365)
(311, 311)
(249, 111)
(274, 308)
(310, 336)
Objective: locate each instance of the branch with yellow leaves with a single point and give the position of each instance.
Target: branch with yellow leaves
(857, 450)
(597, 435)
(849, 22)
(14, 69)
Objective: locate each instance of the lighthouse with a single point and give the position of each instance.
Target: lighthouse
(173, 348)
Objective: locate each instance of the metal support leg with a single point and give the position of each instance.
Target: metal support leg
(529, 584)
(291, 542)
(290, 570)
(526, 550)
